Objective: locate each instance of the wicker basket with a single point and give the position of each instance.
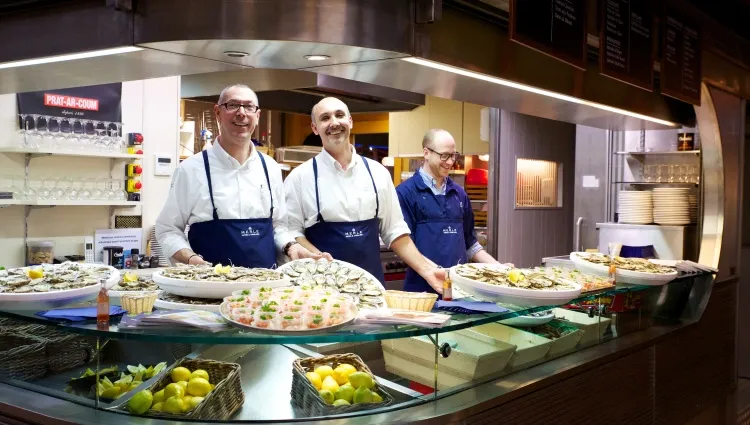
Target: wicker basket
(221, 403)
(305, 395)
(64, 350)
(23, 356)
(419, 301)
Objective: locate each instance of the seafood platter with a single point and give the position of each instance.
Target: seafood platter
(205, 281)
(286, 310)
(340, 276)
(130, 283)
(636, 271)
(526, 287)
(53, 285)
(167, 301)
(588, 282)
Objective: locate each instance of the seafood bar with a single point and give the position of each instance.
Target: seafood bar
(255, 212)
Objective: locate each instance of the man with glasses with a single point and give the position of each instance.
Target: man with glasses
(438, 211)
(231, 195)
(340, 202)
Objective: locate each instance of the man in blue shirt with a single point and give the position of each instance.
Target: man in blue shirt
(438, 211)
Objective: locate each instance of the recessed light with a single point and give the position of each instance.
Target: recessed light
(235, 54)
(317, 57)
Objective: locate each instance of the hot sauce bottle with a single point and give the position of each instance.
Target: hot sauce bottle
(102, 307)
(447, 288)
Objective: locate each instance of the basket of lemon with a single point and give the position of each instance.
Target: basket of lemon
(195, 389)
(340, 383)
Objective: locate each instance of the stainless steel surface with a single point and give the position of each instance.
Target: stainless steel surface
(590, 201)
(577, 240)
(492, 185)
(298, 91)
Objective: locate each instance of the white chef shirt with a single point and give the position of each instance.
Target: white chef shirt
(240, 191)
(345, 196)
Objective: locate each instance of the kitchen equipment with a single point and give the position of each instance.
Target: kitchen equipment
(113, 256)
(40, 252)
(477, 177)
(638, 251)
(88, 249)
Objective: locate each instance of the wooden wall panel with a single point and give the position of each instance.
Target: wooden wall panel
(697, 366)
(620, 392)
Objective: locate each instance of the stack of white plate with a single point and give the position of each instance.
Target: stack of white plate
(671, 205)
(693, 208)
(635, 207)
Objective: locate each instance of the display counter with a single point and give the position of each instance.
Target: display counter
(470, 360)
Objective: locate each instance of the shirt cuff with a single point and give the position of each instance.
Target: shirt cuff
(170, 246)
(472, 251)
(394, 232)
(282, 239)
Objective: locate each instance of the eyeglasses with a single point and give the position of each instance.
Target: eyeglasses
(446, 156)
(234, 107)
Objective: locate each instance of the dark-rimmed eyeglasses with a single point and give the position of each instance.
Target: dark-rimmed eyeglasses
(446, 156)
(234, 107)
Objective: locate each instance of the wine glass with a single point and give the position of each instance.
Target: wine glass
(24, 130)
(87, 186)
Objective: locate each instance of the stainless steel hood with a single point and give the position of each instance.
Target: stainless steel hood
(297, 91)
(365, 40)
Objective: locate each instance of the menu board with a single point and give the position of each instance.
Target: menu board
(626, 48)
(681, 57)
(554, 27)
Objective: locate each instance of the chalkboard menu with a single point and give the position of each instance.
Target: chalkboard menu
(681, 57)
(554, 27)
(626, 48)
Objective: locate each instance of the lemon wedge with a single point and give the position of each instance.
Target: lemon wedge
(130, 277)
(515, 276)
(35, 273)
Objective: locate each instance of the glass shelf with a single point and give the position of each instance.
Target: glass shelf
(659, 183)
(352, 333)
(64, 152)
(694, 152)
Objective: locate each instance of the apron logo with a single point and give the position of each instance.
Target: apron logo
(353, 234)
(249, 232)
(450, 230)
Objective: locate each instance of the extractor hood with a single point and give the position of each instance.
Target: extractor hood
(297, 91)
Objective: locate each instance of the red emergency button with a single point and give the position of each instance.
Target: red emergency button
(138, 185)
(137, 169)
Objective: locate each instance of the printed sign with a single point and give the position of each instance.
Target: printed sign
(96, 103)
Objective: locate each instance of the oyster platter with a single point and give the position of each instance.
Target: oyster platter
(53, 285)
(288, 310)
(364, 289)
(636, 271)
(206, 281)
(167, 301)
(528, 287)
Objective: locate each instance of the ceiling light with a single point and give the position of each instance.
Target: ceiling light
(236, 54)
(69, 57)
(317, 57)
(507, 83)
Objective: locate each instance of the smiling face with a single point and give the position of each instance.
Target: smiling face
(441, 142)
(333, 123)
(237, 126)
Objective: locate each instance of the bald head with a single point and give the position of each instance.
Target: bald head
(433, 136)
(328, 104)
(242, 88)
(332, 121)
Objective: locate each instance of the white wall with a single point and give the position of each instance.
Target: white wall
(150, 107)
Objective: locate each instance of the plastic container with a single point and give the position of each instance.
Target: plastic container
(40, 252)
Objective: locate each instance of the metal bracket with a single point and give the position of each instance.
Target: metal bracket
(444, 349)
(428, 11)
(121, 5)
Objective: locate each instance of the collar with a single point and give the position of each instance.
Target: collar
(229, 160)
(421, 185)
(327, 159)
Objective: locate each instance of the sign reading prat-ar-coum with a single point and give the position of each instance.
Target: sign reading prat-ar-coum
(626, 48)
(681, 57)
(96, 103)
(554, 27)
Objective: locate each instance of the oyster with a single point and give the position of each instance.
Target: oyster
(218, 274)
(532, 279)
(631, 264)
(56, 277)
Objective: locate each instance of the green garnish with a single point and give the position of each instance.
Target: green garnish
(288, 317)
(317, 307)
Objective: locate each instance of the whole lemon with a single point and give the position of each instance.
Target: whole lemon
(341, 375)
(314, 379)
(347, 366)
(329, 384)
(361, 379)
(199, 373)
(174, 390)
(159, 396)
(186, 403)
(198, 387)
(341, 402)
(345, 392)
(327, 396)
(195, 401)
(362, 395)
(157, 407)
(376, 398)
(141, 402)
(324, 371)
(180, 374)
(183, 384)
(173, 405)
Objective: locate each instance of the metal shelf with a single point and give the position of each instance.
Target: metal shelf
(57, 152)
(660, 153)
(659, 183)
(64, 202)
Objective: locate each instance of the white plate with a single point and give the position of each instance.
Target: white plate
(529, 321)
(204, 289)
(622, 276)
(168, 305)
(48, 300)
(518, 296)
(225, 314)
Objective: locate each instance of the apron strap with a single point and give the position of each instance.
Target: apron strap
(210, 187)
(317, 197)
(268, 181)
(377, 200)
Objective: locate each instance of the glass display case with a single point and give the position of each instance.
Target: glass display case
(252, 376)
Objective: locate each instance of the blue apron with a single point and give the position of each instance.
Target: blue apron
(355, 242)
(438, 235)
(246, 242)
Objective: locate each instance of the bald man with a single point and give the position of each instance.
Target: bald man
(339, 202)
(231, 195)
